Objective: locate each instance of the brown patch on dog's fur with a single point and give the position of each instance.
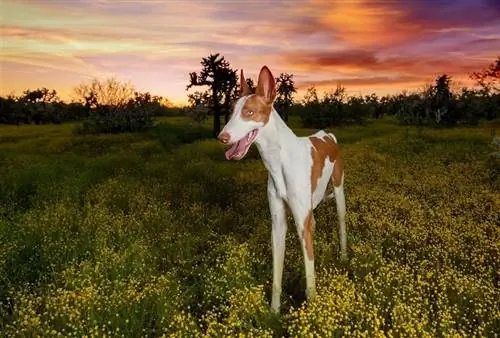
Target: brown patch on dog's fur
(255, 109)
(308, 235)
(266, 85)
(258, 106)
(323, 148)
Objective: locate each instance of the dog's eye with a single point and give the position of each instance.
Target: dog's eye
(249, 113)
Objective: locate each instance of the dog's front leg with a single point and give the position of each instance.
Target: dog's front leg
(279, 228)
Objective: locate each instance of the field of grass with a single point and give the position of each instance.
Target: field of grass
(157, 234)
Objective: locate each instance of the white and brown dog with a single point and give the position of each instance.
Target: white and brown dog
(300, 169)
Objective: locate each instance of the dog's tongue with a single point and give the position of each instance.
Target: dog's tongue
(237, 148)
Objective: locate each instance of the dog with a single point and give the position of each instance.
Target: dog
(299, 171)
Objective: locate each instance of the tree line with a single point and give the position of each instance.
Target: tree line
(436, 104)
(103, 106)
(114, 106)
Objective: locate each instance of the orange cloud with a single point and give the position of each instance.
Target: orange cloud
(363, 44)
(366, 23)
(379, 81)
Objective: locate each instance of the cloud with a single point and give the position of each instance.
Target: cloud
(45, 61)
(364, 23)
(155, 44)
(378, 81)
(343, 59)
(364, 62)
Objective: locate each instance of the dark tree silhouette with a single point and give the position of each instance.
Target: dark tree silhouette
(42, 95)
(11, 110)
(230, 93)
(286, 89)
(251, 85)
(442, 99)
(489, 79)
(110, 92)
(115, 107)
(37, 102)
(199, 105)
(146, 103)
(221, 81)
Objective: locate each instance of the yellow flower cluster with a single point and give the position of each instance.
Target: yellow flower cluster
(122, 236)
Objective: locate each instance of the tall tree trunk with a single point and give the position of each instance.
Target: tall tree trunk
(227, 107)
(286, 107)
(216, 128)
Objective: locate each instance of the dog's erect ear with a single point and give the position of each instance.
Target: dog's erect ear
(266, 86)
(244, 88)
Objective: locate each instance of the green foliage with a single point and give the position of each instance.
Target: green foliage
(436, 105)
(109, 119)
(39, 106)
(489, 79)
(333, 109)
(108, 106)
(285, 89)
(114, 107)
(156, 234)
(199, 106)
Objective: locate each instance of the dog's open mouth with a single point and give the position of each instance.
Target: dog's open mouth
(240, 148)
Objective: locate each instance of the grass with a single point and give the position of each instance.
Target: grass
(155, 234)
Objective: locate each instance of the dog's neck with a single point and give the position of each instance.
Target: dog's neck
(274, 137)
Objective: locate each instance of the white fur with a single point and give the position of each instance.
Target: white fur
(239, 127)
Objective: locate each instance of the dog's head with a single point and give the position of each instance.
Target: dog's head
(250, 114)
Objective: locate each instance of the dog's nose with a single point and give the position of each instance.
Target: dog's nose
(224, 137)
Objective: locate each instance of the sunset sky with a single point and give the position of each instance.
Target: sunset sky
(368, 46)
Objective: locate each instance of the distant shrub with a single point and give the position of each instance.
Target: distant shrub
(334, 108)
(109, 119)
(115, 107)
(200, 112)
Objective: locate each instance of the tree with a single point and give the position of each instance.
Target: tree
(114, 107)
(221, 81)
(311, 96)
(11, 110)
(489, 79)
(199, 106)
(37, 103)
(286, 89)
(229, 93)
(310, 111)
(251, 85)
(442, 101)
(373, 107)
(145, 103)
(110, 92)
(334, 100)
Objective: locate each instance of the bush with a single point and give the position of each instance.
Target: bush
(334, 109)
(107, 119)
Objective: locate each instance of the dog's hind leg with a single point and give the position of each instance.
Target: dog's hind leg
(341, 211)
(304, 220)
